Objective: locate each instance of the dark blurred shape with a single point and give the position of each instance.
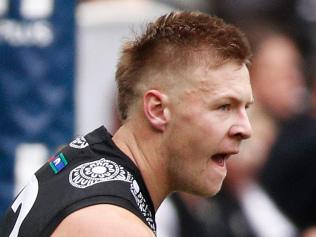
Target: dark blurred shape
(290, 171)
(280, 73)
(289, 174)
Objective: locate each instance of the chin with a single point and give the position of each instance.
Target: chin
(208, 192)
(212, 194)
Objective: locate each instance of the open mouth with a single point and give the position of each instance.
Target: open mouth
(220, 158)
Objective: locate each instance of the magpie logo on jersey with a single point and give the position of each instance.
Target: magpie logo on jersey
(79, 143)
(98, 171)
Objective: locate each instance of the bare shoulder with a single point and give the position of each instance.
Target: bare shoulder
(102, 220)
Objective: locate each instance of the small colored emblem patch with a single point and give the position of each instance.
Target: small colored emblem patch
(58, 162)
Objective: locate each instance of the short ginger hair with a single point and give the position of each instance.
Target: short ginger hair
(174, 42)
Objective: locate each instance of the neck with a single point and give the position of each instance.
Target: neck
(147, 156)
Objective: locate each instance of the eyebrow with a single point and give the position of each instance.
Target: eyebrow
(234, 98)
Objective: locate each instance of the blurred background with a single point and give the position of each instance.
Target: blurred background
(57, 66)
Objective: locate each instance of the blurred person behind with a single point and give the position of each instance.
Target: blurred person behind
(291, 163)
(282, 94)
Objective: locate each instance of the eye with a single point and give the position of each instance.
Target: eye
(225, 107)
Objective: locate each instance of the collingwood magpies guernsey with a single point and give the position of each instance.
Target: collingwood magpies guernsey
(90, 170)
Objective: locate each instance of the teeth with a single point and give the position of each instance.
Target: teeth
(220, 159)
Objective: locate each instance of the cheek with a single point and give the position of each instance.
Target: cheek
(210, 125)
(187, 122)
(198, 129)
(206, 135)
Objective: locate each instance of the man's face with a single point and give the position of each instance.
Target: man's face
(208, 123)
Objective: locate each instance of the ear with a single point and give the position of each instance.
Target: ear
(156, 110)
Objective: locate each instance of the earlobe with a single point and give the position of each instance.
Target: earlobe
(156, 110)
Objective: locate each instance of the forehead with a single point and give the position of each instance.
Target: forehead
(228, 80)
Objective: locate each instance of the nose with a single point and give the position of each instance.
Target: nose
(241, 129)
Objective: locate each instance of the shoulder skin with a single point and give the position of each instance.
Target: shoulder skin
(102, 220)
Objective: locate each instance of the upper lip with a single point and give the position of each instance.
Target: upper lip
(233, 152)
